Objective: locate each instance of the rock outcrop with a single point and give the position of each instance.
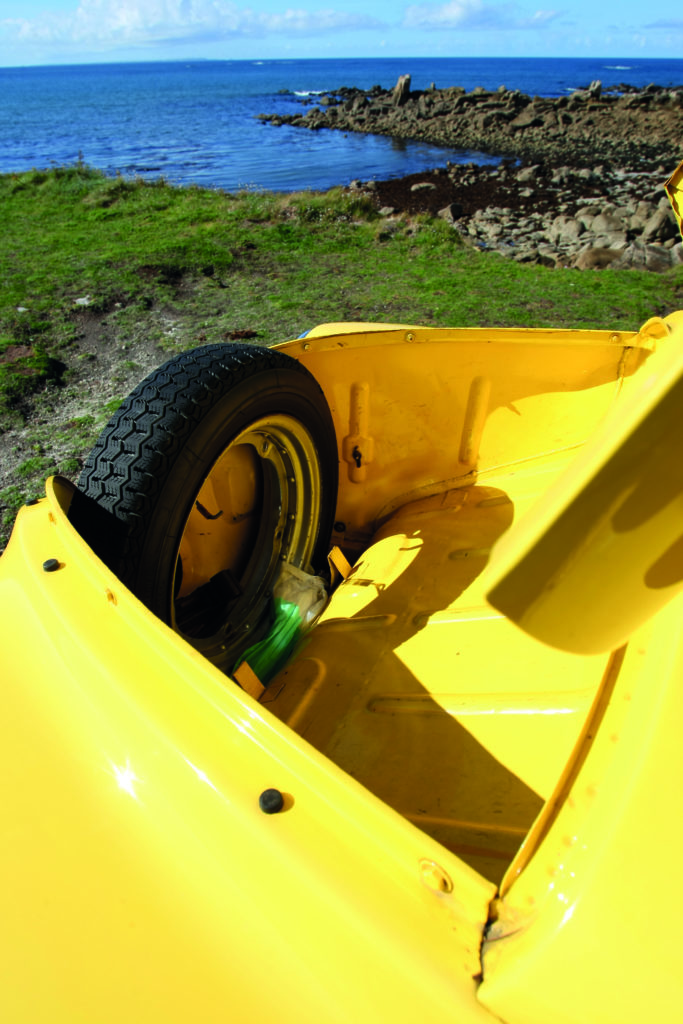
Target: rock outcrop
(592, 125)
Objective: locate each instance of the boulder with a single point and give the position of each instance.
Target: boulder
(527, 119)
(401, 93)
(451, 212)
(610, 240)
(565, 229)
(587, 214)
(596, 258)
(606, 223)
(640, 256)
(660, 226)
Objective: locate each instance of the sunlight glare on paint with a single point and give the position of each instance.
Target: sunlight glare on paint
(125, 778)
(201, 775)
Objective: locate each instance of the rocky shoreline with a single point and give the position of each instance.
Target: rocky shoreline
(586, 218)
(581, 179)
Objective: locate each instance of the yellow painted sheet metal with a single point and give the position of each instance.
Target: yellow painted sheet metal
(142, 882)
(609, 527)
(439, 407)
(588, 931)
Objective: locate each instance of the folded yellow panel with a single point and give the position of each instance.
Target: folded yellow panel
(609, 529)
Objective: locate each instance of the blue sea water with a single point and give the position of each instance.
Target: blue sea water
(195, 122)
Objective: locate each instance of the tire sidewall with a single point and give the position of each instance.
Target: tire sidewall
(272, 391)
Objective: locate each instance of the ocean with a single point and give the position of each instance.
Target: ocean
(195, 122)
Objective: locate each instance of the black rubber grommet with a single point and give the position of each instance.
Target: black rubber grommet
(51, 565)
(271, 801)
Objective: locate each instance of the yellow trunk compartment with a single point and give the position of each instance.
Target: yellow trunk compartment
(411, 681)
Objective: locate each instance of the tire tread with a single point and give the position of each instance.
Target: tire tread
(125, 471)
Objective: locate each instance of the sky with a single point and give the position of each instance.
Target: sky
(86, 31)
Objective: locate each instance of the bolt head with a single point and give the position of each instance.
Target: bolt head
(271, 801)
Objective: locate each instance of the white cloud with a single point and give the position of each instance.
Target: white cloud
(473, 15)
(432, 16)
(117, 22)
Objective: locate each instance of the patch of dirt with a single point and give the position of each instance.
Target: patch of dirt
(472, 187)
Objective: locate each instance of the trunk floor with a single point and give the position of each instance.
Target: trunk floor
(416, 687)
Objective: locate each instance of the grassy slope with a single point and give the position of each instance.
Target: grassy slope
(158, 269)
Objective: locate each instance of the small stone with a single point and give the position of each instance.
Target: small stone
(527, 174)
(423, 186)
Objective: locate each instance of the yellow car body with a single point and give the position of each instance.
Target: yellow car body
(477, 744)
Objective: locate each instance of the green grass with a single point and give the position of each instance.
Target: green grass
(98, 274)
(73, 233)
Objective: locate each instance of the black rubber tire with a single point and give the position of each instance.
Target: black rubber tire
(142, 479)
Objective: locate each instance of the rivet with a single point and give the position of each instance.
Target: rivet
(306, 346)
(51, 565)
(271, 801)
(410, 336)
(339, 527)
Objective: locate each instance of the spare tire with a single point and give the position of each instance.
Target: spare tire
(218, 467)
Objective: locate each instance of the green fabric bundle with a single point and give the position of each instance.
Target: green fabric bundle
(298, 599)
(268, 656)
